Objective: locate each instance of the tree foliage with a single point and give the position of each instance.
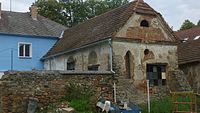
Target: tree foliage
(73, 12)
(198, 23)
(187, 24)
(50, 9)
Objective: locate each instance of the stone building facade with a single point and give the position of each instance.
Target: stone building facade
(132, 41)
(94, 55)
(192, 70)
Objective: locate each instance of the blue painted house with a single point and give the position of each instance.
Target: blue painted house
(25, 38)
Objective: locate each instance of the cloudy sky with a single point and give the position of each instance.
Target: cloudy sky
(174, 11)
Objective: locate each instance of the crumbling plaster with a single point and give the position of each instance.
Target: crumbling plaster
(134, 21)
(81, 59)
(192, 70)
(165, 54)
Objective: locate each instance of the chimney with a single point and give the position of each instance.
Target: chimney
(34, 11)
(0, 10)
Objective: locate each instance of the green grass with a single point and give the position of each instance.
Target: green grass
(81, 106)
(198, 104)
(165, 106)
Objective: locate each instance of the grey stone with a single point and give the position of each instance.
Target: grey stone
(32, 105)
(68, 110)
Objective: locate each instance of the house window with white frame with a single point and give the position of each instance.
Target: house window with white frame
(25, 50)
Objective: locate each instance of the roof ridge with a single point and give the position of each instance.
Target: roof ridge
(137, 3)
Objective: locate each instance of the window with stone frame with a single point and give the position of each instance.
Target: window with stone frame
(92, 61)
(71, 63)
(156, 74)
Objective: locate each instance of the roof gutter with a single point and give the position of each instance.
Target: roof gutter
(26, 35)
(85, 46)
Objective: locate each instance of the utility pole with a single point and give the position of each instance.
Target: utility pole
(11, 59)
(148, 97)
(10, 5)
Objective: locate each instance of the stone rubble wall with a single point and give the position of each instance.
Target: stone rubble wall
(17, 87)
(192, 73)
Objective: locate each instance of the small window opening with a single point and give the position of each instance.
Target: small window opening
(144, 23)
(146, 51)
(71, 63)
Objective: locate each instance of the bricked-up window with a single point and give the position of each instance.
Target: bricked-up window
(25, 50)
(144, 23)
(71, 63)
(92, 61)
(156, 74)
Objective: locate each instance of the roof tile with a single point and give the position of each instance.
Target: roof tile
(99, 28)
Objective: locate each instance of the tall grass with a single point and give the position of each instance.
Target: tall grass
(164, 105)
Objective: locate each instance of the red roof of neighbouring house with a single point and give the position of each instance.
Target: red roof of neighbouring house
(189, 52)
(102, 27)
(189, 34)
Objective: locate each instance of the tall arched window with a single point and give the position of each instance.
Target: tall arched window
(129, 63)
(144, 23)
(71, 63)
(92, 61)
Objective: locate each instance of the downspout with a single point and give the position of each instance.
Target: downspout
(110, 55)
(111, 68)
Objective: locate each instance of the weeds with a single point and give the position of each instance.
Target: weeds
(79, 96)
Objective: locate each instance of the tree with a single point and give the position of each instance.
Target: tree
(198, 23)
(187, 24)
(50, 9)
(73, 12)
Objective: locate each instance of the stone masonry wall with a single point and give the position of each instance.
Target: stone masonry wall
(47, 87)
(135, 86)
(192, 72)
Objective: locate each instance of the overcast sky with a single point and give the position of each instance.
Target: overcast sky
(174, 11)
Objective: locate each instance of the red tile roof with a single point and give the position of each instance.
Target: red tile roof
(101, 27)
(189, 33)
(189, 52)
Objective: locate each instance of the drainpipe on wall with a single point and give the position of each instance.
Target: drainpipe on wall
(111, 68)
(110, 55)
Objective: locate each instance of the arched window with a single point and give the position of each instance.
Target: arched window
(92, 61)
(144, 23)
(129, 63)
(71, 63)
